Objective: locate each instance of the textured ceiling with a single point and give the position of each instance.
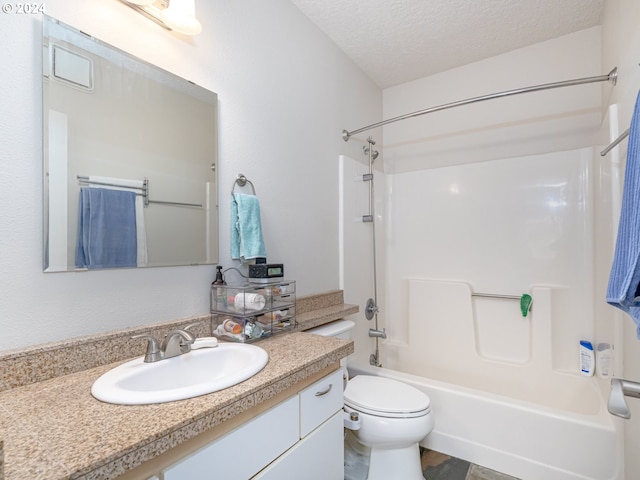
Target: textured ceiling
(396, 41)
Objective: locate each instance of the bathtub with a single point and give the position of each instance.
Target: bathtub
(530, 441)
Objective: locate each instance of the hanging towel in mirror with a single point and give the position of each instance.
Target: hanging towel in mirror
(106, 229)
(126, 184)
(624, 282)
(246, 228)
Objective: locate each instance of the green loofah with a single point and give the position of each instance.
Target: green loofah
(525, 304)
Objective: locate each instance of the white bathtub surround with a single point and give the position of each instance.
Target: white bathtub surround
(507, 387)
(504, 227)
(490, 348)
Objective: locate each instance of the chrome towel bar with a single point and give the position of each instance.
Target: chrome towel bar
(144, 191)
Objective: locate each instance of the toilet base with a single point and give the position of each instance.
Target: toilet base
(396, 464)
(389, 464)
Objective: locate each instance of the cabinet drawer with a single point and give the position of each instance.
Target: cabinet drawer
(319, 401)
(244, 451)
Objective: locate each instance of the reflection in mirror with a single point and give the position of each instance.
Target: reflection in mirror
(130, 159)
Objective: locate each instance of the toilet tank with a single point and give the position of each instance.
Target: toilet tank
(338, 329)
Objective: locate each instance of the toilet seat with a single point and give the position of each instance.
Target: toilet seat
(384, 397)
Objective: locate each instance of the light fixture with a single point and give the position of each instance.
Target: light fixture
(176, 15)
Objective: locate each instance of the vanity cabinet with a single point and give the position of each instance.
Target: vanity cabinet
(319, 456)
(301, 437)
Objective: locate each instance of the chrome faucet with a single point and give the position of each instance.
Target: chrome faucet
(176, 342)
(619, 388)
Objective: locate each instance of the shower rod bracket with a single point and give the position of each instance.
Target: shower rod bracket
(366, 150)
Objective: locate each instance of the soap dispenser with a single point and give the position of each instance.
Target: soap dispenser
(220, 291)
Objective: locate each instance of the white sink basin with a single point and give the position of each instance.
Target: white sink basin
(198, 372)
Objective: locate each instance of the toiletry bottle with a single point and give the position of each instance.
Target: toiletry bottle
(231, 326)
(221, 292)
(604, 360)
(249, 302)
(587, 358)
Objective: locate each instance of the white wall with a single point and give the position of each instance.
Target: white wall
(285, 93)
(531, 123)
(621, 47)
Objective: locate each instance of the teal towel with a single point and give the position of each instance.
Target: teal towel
(246, 228)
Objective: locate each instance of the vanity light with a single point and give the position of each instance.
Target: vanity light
(176, 15)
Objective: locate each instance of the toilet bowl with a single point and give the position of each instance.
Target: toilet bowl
(394, 418)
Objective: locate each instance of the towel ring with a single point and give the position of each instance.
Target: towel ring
(241, 180)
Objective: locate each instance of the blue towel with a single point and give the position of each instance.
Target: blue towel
(106, 229)
(246, 228)
(624, 282)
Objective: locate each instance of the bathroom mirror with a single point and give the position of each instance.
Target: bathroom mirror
(114, 122)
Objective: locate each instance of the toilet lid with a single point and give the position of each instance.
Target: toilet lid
(385, 397)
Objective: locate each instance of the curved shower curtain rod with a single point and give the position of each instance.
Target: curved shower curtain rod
(612, 77)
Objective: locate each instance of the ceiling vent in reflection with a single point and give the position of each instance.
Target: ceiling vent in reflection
(176, 15)
(71, 67)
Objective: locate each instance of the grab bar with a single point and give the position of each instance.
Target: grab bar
(495, 295)
(525, 300)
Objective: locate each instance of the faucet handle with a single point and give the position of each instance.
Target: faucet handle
(186, 334)
(177, 342)
(188, 328)
(153, 353)
(185, 347)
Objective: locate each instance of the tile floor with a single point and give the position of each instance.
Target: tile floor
(435, 466)
(438, 466)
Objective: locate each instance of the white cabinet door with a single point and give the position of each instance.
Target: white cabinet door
(244, 451)
(319, 456)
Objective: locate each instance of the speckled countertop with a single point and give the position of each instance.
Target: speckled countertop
(52, 428)
(56, 430)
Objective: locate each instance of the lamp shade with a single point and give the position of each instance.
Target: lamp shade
(181, 17)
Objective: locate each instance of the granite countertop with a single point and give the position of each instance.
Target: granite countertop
(324, 315)
(55, 429)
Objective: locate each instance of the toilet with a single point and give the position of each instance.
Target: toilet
(394, 418)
